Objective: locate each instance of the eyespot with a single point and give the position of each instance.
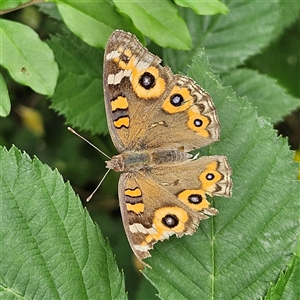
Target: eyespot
(124, 58)
(180, 99)
(210, 176)
(198, 122)
(176, 100)
(170, 220)
(147, 83)
(147, 80)
(195, 198)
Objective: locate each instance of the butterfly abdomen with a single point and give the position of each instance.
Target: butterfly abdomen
(129, 161)
(169, 156)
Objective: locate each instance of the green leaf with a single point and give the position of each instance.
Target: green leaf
(281, 60)
(28, 60)
(271, 100)
(79, 93)
(287, 286)
(204, 7)
(93, 21)
(289, 13)
(146, 291)
(161, 23)
(4, 98)
(228, 39)
(50, 9)
(50, 247)
(236, 254)
(8, 4)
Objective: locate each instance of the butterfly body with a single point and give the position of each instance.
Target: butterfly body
(155, 118)
(130, 161)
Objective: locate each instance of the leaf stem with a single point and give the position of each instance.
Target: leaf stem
(32, 2)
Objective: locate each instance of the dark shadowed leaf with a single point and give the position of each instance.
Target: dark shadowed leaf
(79, 93)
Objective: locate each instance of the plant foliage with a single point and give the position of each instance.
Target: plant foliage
(51, 248)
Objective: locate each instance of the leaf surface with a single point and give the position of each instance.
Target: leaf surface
(97, 19)
(203, 7)
(161, 23)
(228, 39)
(271, 100)
(9, 4)
(51, 249)
(287, 286)
(5, 101)
(28, 60)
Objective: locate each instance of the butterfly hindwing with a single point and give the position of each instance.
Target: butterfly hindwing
(170, 199)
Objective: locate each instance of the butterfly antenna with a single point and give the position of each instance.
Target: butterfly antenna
(95, 190)
(73, 131)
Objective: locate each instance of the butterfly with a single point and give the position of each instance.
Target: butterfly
(155, 118)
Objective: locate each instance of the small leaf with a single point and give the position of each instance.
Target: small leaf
(236, 254)
(9, 4)
(204, 7)
(50, 9)
(79, 92)
(287, 286)
(228, 39)
(146, 291)
(50, 247)
(271, 100)
(4, 96)
(289, 14)
(151, 19)
(93, 21)
(28, 60)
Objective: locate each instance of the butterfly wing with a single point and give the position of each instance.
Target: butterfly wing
(170, 199)
(147, 106)
(149, 109)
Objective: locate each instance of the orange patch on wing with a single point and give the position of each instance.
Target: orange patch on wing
(184, 197)
(130, 65)
(119, 103)
(128, 53)
(162, 229)
(194, 115)
(122, 122)
(208, 185)
(154, 92)
(136, 208)
(188, 100)
(133, 192)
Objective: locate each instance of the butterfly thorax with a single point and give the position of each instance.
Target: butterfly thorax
(128, 161)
